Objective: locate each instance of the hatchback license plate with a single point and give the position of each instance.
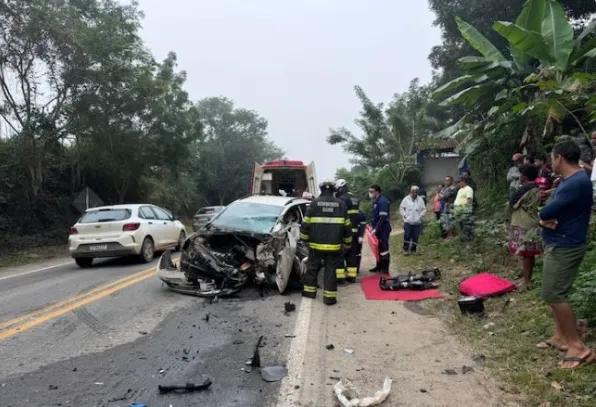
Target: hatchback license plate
(98, 247)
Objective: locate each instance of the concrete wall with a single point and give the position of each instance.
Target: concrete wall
(435, 169)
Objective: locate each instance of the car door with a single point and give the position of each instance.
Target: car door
(151, 222)
(168, 230)
(285, 258)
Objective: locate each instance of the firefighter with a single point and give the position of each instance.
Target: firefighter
(347, 268)
(358, 238)
(381, 227)
(327, 231)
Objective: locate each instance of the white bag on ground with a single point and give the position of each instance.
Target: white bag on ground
(347, 394)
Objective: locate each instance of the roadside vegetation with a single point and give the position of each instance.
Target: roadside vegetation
(84, 104)
(508, 78)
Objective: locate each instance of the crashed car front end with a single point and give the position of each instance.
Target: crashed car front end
(221, 263)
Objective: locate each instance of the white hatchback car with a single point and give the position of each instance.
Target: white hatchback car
(124, 230)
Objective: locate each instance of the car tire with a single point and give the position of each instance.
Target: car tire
(147, 251)
(84, 262)
(181, 240)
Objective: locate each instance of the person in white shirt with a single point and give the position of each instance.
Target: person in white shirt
(412, 210)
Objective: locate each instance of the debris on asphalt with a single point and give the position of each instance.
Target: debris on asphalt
(206, 319)
(330, 346)
(348, 351)
(99, 383)
(74, 369)
(423, 391)
(334, 378)
(289, 336)
(449, 372)
(273, 373)
(162, 371)
(347, 395)
(238, 342)
(188, 387)
(290, 307)
(256, 357)
(143, 332)
(52, 387)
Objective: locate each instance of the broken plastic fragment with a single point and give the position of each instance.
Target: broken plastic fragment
(273, 373)
(348, 351)
(347, 394)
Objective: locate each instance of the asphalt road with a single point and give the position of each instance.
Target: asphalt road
(109, 335)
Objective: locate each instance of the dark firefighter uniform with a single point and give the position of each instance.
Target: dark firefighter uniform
(327, 230)
(348, 266)
(359, 237)
(382, 229)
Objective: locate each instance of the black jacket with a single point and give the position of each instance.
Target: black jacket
(352, 211)
(326, 226)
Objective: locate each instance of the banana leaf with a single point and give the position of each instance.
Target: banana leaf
(558, 34)
(478, 41)
(528, 42)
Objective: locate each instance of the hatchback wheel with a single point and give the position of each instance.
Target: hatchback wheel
(147, 250)
(181, 240)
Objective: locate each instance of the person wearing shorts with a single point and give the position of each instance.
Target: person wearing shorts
(564, 221)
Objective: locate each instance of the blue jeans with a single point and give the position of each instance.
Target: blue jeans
(411, 236)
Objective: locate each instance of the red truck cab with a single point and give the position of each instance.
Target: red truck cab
(283, 178)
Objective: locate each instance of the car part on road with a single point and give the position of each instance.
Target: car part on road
(424, 281)
(347, 395)
(290, 307)
(471, 306)
(273, 373)
(188, 387)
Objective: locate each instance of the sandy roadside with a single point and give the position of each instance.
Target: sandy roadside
(388, 339)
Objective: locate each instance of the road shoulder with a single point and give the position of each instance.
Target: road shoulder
(387, 339)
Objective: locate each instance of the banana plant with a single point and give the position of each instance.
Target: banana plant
(543, 75)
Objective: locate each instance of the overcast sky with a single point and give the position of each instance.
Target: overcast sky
(296, 62)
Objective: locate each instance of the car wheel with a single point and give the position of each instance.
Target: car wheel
(147, 250)
(181, 240)
(84, 262)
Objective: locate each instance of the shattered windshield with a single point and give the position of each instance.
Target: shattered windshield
(247, 216)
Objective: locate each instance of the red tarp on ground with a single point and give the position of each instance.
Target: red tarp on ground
(485, 285)
(373, 242)
(372, 291)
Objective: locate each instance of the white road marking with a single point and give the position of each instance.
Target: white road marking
(288, 395)
(35, 271)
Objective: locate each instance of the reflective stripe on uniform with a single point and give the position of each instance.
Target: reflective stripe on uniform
(306, 219)
(353, 212)
(304, 236)
(329, 294)
(348, 240)
(309, 289)
(383, 214)
(347, 222)
(352, 272)
(383, 254)
(340, 273)
(335, 221)
(325, 247)
(354, 230)
(363, 223)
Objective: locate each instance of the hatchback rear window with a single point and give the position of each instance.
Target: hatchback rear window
(204, 211)
(106, 215)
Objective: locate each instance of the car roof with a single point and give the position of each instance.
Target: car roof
(124, 206)
(280, 201)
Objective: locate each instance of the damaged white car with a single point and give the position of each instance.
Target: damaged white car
(254, 239)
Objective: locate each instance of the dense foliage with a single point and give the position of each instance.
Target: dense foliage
(83, 103)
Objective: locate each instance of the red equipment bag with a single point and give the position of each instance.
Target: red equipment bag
(485, 285)
(373, 242)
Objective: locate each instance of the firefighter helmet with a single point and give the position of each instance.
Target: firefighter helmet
(326, 185)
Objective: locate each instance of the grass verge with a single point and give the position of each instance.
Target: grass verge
(21, 258)
(508, 335)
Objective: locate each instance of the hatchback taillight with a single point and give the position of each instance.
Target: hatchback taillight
(129, 227)
(73, 231)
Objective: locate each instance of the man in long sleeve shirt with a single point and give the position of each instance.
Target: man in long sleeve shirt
(565, 220)
(412, 210)
(381, 227)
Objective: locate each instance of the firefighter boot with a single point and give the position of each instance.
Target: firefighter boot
(329, 297)
(385, 264)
